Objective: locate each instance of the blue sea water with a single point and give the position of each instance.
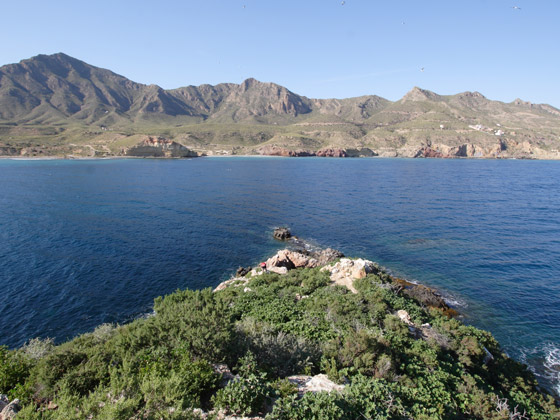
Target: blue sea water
(95, 241)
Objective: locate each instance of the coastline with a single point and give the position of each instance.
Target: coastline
(81, 158)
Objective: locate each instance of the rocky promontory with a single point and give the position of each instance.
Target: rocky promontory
(306, 334)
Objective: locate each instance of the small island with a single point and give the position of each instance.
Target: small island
(309, 334)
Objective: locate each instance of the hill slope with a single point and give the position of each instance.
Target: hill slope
(58, 105)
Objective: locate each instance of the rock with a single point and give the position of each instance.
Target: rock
(9, 411)
(242, 271)
(224, 371)
(159, 147)
(282, 233)
(346, 271)
(327, 256)
(4, 401)
(328, 152)
(362, 152)
(280, 260)
(237, 281)
(281, 151)
(362, 268)
(278, 270)
(289, 260)
(317, 383)
(405, 317)
(488, 357)
(299, 259)
(425, 296)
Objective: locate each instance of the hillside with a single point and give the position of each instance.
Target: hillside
(317, 336)
(56, 105)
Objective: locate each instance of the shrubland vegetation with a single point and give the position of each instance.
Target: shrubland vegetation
(164, 366)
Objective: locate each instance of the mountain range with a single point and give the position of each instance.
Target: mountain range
(56, 105)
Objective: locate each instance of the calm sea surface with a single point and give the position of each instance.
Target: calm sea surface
(88, 242)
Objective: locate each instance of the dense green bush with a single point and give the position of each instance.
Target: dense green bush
(14, 370)
(247, 393)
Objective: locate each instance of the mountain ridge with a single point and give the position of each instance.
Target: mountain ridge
(59, 105)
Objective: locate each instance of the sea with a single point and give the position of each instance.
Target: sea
(86, 242)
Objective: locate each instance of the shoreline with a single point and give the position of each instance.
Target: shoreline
(47, 158)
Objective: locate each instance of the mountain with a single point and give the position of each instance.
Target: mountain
(58, 105)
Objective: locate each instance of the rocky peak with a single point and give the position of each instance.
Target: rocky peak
(417, 94)
(475, 94)
(518, 101)
(249, 83)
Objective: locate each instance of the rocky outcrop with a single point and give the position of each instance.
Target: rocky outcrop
(327, 256)
(242, 271)
(281, 151)
(326, 152)
(346, 271)
(282, 233)
(362, 152)
(289, 260)
(329, 152)
(159, 147)
(9, 151)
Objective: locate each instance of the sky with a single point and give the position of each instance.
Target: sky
(316, 48)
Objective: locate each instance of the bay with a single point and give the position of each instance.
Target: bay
(95, 241)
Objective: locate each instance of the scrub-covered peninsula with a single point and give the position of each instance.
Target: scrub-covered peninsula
(56, 105)
(307, 335)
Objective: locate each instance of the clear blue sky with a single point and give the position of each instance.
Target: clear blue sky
(317, 48)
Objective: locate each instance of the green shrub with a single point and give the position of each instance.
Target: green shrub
(312, 406)
(14, 369)
(246, 394)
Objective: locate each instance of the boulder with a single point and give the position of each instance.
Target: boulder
(404, 316)
(317, 383)
(346, 271)
(327, 256)
(425, 296)
(289, 260)
(10, 411)
(278, 270)
(282, 233)
(280, 260)
(4, 401)
(242, 271)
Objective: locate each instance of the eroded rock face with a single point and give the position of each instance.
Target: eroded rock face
(281, 151)
(159, 147)
(329, 152)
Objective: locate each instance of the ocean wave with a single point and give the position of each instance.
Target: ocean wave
(544, 362)
(552, 366)
(454, 301)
